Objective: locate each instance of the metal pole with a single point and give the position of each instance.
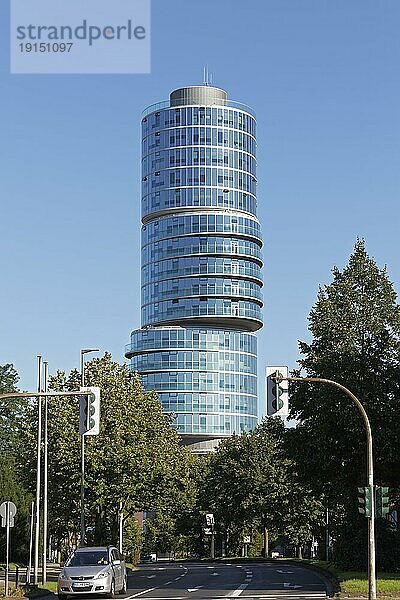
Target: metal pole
(370, 477)
(82, 461)
(41, 394)
(29, 569)
(121, 525)
(45, 475)
(327, 535)
(7, 547)
(212, 541)
(83, 352)
(38, 466)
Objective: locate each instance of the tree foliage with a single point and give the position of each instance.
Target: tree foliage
(252, 484)
(355, 327)
(136, 459)
(11, 487)
(10, 408)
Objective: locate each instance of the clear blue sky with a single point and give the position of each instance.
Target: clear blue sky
(323, 77)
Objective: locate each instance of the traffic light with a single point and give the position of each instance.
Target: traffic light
(382, 501)
(365, 501)
(277, 391)
(89, 415)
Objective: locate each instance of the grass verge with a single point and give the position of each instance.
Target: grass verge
(355, 583)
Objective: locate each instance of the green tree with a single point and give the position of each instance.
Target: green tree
(355, 327)
(253, 484)
(136, 459)
(10, 408)
(11, 487)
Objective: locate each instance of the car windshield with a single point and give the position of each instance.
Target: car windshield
(87, 559)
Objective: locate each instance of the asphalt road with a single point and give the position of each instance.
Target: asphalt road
(199, 581)
(214, 581)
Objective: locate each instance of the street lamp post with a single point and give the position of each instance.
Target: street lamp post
(45, 474)
(83, 352)
(370, 477)
(38, 472)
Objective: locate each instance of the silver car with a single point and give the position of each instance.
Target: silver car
(96, 571)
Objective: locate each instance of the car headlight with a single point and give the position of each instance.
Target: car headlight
(100, 575)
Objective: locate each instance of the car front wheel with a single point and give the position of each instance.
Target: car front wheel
(124, 587)
(112, 589)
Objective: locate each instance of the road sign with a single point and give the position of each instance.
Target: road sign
(7, 509)
(246, 539)
(210, 519)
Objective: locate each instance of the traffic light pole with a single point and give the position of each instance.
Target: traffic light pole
(370, 477)
(212, 549)
(38, 476)
(82, 460)
(83, 352)
(82, 489)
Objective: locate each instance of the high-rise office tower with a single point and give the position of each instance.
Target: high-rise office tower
(201, 264)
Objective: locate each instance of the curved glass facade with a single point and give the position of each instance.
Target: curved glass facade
(201, 262)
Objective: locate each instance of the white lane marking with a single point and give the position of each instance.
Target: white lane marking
(195, 588)
(150, 576)
(238, 590)
(292, 585)
(287, 572)
(214, 574)
(153, 588)
(167, 582)
(304, 596)
(242, 586)
(140, 593)
(283, 596)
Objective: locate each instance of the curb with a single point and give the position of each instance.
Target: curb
(332, 582)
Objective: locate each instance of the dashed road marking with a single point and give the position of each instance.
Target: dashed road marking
(195, 588)
(140, 593)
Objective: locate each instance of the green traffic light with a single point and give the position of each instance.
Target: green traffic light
(382, 501)
(365, 501)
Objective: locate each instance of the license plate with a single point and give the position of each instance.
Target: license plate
(82, 584)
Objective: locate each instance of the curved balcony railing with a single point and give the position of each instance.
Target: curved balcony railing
(214, 102)
(191, 309)
(180, 338)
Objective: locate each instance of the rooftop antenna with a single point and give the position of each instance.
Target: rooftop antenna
(205, 76)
